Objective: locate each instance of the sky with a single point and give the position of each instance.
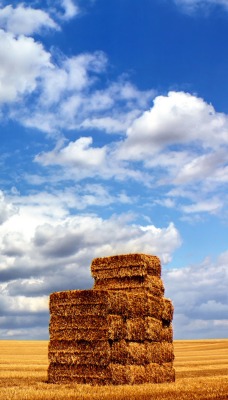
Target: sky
(114, 139)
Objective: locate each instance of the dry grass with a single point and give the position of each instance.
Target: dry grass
(201, 373)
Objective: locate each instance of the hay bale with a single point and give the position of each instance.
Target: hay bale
(119, 374)
(117, 302)
(69, 309)
(167, 334)
(137, 374)
(78, 334)
(127, 375)
(82, 346)
(167, 311)
(118, 333)
(153, 284)
(131, 304)
(156, 373)
(136, 353)
(119, 352)
(79, 322)
(140, 329)
(116, 327)
(153, 329)
(136, 329)
(81, 352)
(126, 265)
(78, 297)
(128, 353)
(91, 374)
(92, 357)
(159, 352)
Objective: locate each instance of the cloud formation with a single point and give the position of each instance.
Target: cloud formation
(45, 249)
(23, 61)
(200, 298)
(23, 20)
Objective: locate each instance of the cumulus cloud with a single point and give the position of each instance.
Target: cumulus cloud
(77, 154)
(176, 119)
(199, 293)
(44, 249)
(70, 9)
(184, 140)
(25, 20)
(7, 209)
(22, 62)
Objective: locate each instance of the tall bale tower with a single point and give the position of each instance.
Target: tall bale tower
(119, 332)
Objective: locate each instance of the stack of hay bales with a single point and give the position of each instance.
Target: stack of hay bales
(119, 332)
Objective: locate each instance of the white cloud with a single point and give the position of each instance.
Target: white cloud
(22, 62)
(176, 119)
(199, 293)
(70, 9)
(43, 249)
(184, 141)
(7, 209)
(74, 75)
(212, 206)
(79, 154)
(25, 20)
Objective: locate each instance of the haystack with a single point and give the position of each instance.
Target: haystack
(119, 332)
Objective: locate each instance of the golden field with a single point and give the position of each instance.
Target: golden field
(201, 373)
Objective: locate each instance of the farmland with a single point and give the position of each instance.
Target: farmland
(201, 373)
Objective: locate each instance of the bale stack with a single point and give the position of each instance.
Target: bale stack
(119, 332)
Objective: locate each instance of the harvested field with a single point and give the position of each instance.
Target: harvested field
(201, 374)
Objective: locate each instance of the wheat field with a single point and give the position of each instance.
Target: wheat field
(201, 373)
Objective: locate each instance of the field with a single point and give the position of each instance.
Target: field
(201, 373)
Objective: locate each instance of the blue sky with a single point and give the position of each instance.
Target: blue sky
(114, 136)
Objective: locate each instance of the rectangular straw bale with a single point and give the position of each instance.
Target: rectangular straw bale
(78, 334)
(82, 346)
(168, 372)
(146, 264)
(128, 353)
(137, 374)
(133, 304)
(167, 310)
(119, 352)
(154, 305)
(159, 352)
(136, 353)
(119, 374)
(167, 334)
(136, 329)
(78, 322)
(120, 272)
(69, 309)
(116, 327)
(137, 305)
(93, 371)
(117, 302)
(160, 373)
(153, 373)
(153, 284)
(58, 377)
(129, 374)
(93, 357)
(153, 329)
(78, 297)
(57, 374)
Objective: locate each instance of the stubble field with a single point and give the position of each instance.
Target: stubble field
(201, 373)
